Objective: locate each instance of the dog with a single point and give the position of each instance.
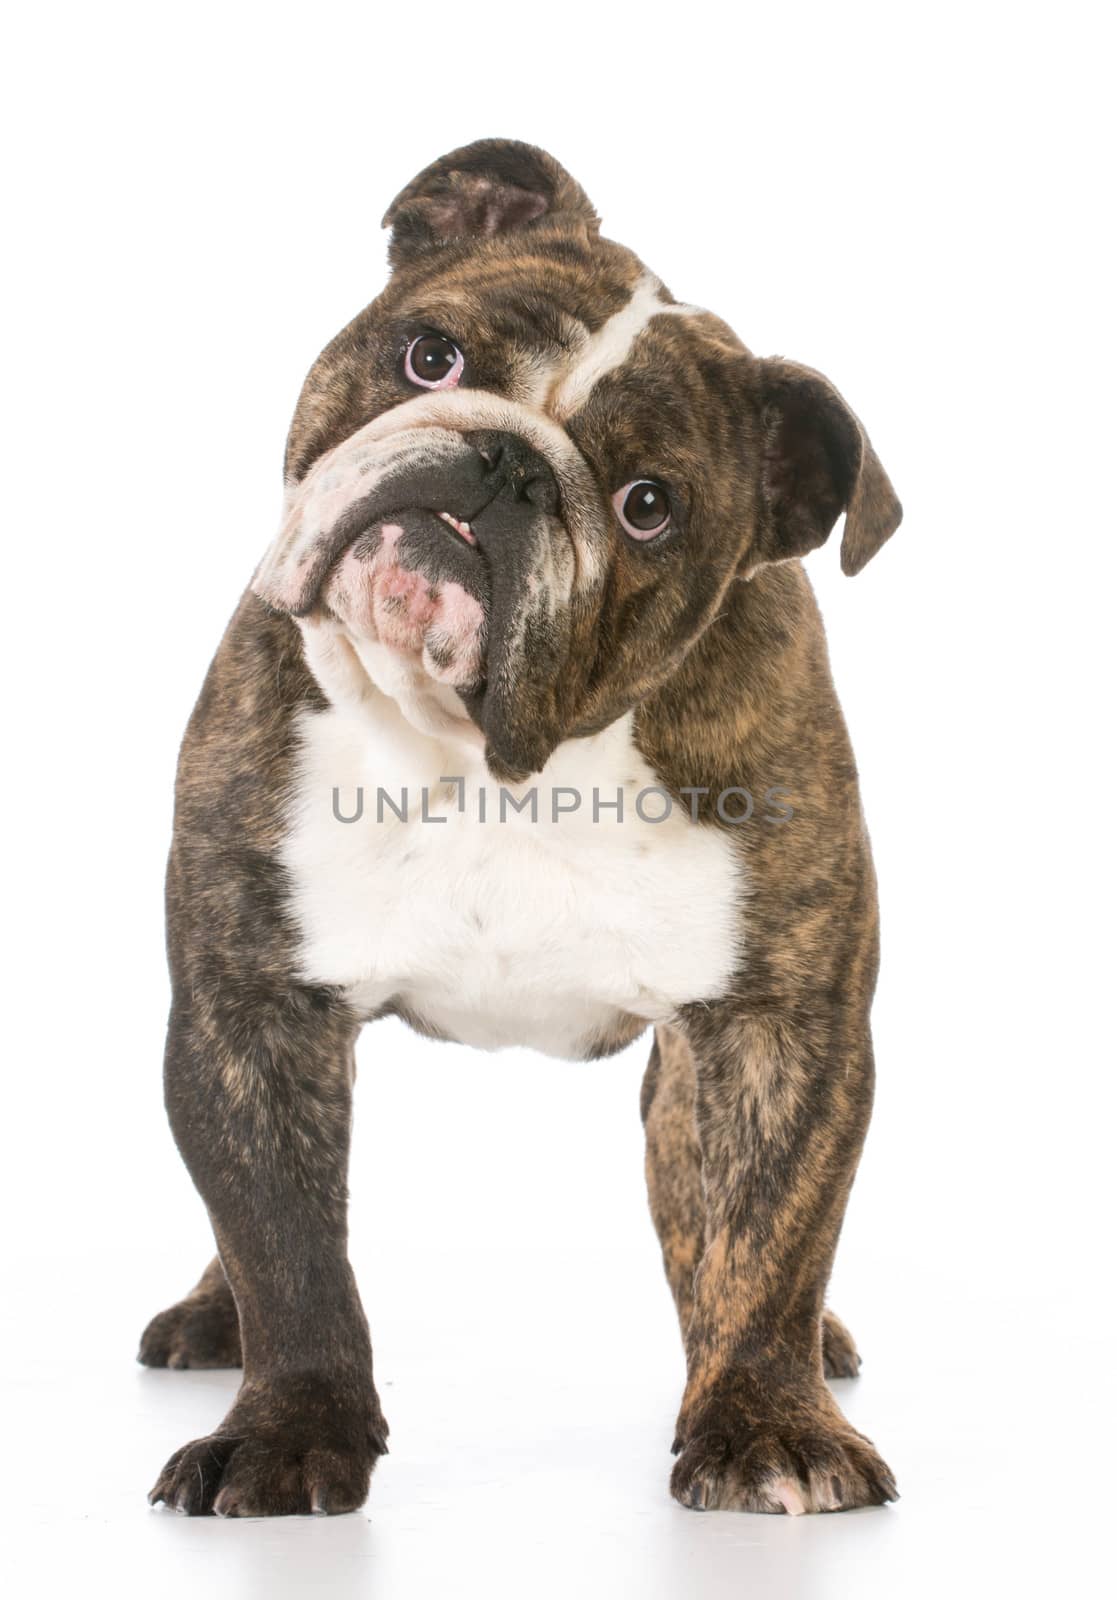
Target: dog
(524, 733)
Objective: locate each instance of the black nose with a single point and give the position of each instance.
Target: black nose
(511, 464)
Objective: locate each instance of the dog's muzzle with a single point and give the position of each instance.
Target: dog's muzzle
(451, 548)
(446, 569)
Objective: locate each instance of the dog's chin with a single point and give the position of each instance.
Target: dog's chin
(430, 615)
(393, 621)
(362, 674)
(408, 609)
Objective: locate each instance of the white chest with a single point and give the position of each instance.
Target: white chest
(494, 926)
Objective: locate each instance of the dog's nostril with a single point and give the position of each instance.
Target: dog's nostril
(512, 466)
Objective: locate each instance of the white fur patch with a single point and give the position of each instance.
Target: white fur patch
(513, 932)
(609, 347)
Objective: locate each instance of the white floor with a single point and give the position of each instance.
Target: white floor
(531, 1402)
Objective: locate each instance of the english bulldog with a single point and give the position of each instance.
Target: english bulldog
(524, 733)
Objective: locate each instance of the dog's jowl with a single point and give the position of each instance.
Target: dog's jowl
(524, 732)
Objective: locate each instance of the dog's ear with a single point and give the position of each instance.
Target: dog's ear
(489, 187)
(817, 462)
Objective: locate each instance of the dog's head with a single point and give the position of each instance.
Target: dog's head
(519, 483)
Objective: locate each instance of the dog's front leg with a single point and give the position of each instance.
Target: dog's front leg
(782, 1104)
(258, 1091)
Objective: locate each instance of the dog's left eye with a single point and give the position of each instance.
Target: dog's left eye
(433, 362)
(643, 508)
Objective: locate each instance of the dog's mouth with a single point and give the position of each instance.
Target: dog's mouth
(449, 561)
(458, 526)
(417, 581)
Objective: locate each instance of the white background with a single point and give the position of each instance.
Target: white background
(912, 200)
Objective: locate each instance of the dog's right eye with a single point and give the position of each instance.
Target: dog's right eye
(643, 508)
(433, 362)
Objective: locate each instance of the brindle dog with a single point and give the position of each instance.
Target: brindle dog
(541, 519)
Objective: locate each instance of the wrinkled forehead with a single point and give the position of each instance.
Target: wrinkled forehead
(571, 334)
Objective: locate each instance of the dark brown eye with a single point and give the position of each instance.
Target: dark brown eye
(433, 362)
(643, 508)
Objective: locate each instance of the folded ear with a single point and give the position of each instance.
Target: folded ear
(489, 187)
(817, 463)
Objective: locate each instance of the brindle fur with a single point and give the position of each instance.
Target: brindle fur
(673, 1166)
(755, 1104)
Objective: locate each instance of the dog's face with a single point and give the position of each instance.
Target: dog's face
(521, 480)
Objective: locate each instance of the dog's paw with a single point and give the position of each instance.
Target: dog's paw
(193, 1333)
(263, 1475)
(839, 1353)
(278, 1456)
(795, 1463)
